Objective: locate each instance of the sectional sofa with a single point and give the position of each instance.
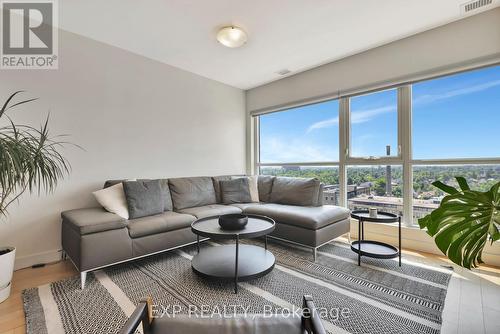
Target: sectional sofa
(93, 238)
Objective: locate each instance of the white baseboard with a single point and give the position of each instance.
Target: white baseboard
(43, 257)
(413, 238)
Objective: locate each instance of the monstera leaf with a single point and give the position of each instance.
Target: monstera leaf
(464, 222)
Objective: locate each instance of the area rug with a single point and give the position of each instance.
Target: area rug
(377, 297)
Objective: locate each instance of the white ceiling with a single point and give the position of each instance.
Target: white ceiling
(292, 34)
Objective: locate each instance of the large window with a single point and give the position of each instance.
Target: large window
(305, 134)
(384, 149)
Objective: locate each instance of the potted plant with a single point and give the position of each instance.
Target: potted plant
(464, 221)
(29, 161)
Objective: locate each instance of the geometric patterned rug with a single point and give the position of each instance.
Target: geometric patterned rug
(378, 297)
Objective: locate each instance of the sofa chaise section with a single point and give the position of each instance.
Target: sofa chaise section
(307, 226)
(297, 207)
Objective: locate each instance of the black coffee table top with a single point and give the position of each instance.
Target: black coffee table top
(257, 226)
(382, 217)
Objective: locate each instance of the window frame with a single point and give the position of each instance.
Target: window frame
(405, 154)
(372, 159)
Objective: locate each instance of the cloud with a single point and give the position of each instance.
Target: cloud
(324, 124)
(297, 150)
(357, 117)
(456, 92)
(362, 116)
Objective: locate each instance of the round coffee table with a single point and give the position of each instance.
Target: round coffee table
(233, 262)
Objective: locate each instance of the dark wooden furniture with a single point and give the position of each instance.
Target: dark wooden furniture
(375, 249)
(233, 262)
(310, 321)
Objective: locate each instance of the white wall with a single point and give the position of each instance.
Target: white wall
(133, 116)
(469, 42)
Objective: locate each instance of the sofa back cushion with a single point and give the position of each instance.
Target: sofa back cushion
(144, 198)
(253, 185)
(188, 192)
(235, 191)
(265, 185)
(295, 191)
(165, 190)
(216, 181)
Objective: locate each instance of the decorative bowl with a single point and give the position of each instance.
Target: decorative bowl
(233, 221)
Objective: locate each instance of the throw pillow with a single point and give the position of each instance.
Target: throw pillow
(295, 191)
(235, 191)
(253, 185)
(113, 200)
(144, 198)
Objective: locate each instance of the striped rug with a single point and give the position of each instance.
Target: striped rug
(378, 297)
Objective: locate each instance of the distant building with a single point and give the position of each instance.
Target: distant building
(291, 168)
(331, 193)
(360, 197)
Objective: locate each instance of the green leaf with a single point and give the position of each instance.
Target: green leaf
(447, 189)
(29, 158)
(464, 221)
(462, 182)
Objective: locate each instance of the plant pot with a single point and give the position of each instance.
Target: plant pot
(6, 270)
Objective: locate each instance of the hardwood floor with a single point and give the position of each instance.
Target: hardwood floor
(11, 310)
(472, 302)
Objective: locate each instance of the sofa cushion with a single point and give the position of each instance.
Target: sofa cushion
(113, 200)
(309, 217)
(235, 191)
(189, 192)
(165, 190)
(243, 206)
(321, 194)
(211, 210)
(295, 191)
(163, 222)
(92, 220)
(265, 184)
(144, 198)
(216, 182)
(253, 185)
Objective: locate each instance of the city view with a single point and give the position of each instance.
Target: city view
(367, 186)
(453, 117)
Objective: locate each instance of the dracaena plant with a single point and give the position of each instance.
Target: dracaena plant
(465, 220)
(29, 158)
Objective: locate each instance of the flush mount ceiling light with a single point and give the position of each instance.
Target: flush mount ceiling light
(232, 37)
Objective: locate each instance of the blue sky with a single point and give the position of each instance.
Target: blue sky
(453, 117)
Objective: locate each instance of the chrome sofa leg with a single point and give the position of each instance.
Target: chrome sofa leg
(349, 237)
(314, 254)
(83, 277)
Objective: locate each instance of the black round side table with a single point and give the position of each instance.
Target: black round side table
(375, 249)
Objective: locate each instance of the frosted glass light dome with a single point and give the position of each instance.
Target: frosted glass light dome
(232, 37)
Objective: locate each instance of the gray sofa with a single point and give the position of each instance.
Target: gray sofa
(93, 238)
